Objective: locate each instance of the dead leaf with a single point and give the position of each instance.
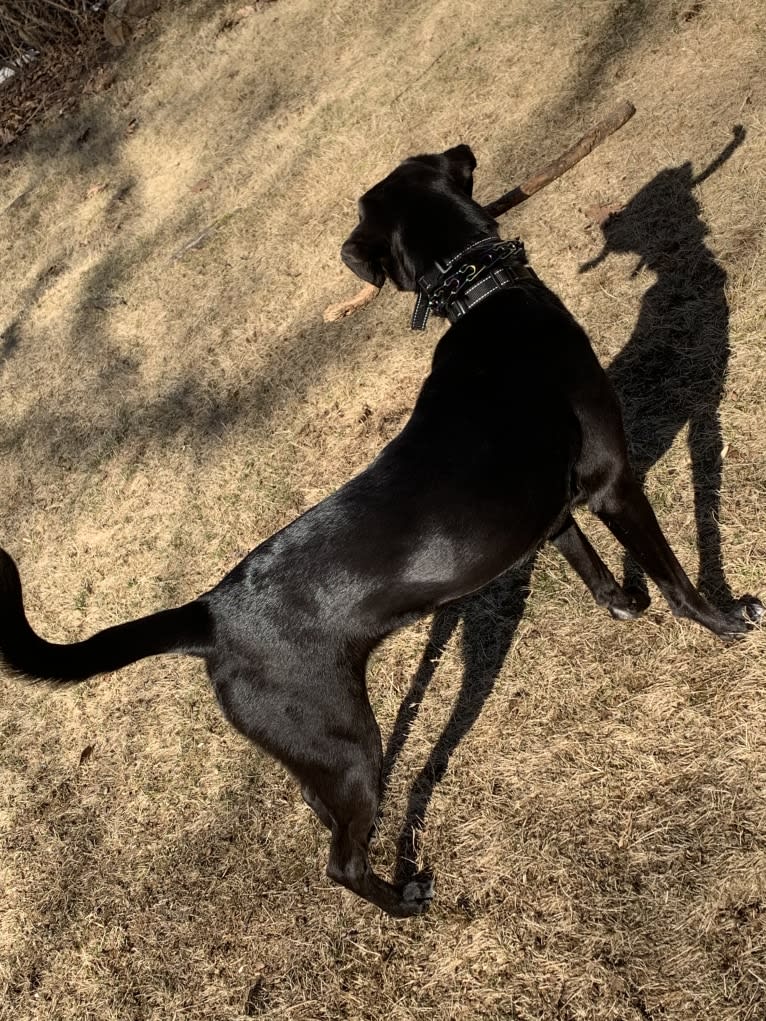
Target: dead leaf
(122, 18)
(102, 80)
(599, 214)
(237, 17)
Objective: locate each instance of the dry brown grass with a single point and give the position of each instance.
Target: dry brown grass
(599, 835)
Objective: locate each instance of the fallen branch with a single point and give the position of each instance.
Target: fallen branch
(334, 313)
(606, 127)
(619, 116)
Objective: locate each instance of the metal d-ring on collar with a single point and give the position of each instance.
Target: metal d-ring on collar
(453, 287)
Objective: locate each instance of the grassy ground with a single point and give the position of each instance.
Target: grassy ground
(598, 836)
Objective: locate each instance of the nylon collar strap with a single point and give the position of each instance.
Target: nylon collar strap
(453, 287)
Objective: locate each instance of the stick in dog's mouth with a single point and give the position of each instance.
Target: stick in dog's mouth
(606, 127)
(334, 313)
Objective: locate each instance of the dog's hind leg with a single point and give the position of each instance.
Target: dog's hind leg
(349, 790)
(622, 604)
(314, 716)
(354, 810)
(316, 805)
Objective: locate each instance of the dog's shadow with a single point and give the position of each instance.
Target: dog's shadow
(670, 373)
(490, 620)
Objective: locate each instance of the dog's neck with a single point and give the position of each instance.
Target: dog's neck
(443, 251)
(436, 232)
(453, 286)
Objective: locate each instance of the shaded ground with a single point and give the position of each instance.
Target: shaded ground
(589, 796)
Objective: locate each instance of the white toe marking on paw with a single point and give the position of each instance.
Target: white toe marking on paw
(418, 890)
(411, 891)
(622, 614)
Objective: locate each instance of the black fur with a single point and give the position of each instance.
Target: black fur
(515, 424)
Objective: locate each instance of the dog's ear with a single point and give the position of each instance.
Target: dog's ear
(462, 164)
(362, 256)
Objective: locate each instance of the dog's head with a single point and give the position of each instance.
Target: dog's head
(422, 211)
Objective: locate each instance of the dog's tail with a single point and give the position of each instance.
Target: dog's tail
(187, 630)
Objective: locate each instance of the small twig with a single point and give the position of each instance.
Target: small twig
(418, 77)
(194, 243)
(200, 239)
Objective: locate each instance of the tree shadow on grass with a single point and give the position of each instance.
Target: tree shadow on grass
(618, 33)
(614, 30)
(10, 337)
(190, 405)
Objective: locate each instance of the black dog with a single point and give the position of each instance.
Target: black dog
(515, 424)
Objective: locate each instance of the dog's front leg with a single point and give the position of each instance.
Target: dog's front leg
(622, 604)
(623, 507)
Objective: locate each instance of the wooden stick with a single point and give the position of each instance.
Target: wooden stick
(619, 116)
(334, 313)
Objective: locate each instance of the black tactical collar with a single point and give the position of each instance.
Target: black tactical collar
(453, 287)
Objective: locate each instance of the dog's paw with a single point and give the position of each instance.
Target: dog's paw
(745, 614)
(418, 894)
(752, 608)
(630, 604)
(749, 610)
